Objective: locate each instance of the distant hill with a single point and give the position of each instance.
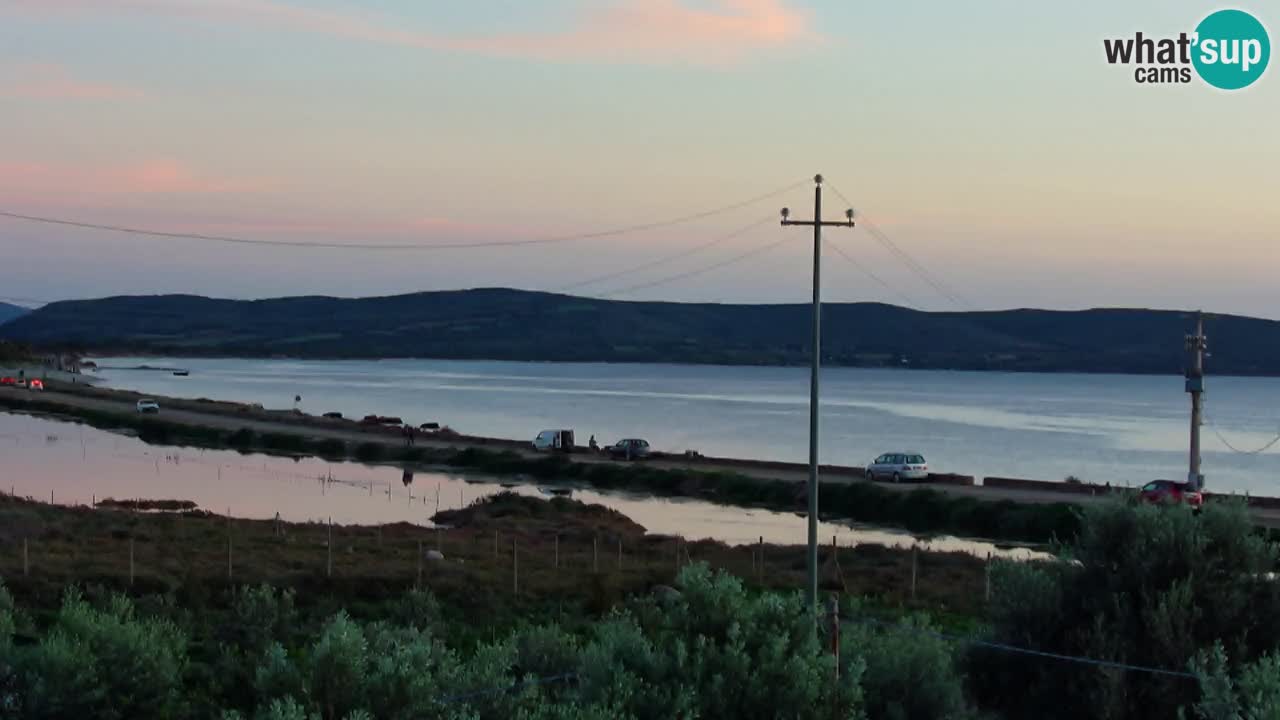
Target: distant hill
(9, 312)
(506, 324)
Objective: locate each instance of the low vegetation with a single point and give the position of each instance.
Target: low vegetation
(1154, 613)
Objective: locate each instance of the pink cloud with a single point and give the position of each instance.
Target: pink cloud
(149, 177)
(714, 32)
(55, 82)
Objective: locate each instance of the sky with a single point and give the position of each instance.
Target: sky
(989, 141)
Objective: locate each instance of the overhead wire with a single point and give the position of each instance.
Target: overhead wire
(1014, 649)
(871, 275)
(610, 232)
(666, 259)
(910, 262)
(1214, 427)
(698, 271)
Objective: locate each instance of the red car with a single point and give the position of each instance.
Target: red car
(1168, 492)
(8, 381)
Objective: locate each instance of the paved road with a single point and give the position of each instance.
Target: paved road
(227, 416)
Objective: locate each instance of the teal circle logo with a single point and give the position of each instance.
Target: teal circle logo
(1231, 49)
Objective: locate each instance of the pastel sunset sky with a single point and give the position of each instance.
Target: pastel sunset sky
(990, 140)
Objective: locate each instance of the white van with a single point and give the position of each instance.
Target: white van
(554, 441)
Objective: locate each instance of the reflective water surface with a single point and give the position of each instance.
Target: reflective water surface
(74, 464)
(1122, 429)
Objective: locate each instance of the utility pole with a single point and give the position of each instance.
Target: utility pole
(817, 223)
(1196, 345)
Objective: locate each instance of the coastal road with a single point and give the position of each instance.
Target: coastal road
(232, 416)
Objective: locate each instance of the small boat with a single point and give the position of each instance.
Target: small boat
(182, 373)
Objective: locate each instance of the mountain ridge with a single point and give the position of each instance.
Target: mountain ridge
(9, 312)
(508, 324)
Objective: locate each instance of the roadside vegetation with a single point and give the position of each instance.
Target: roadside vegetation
(1139, 590)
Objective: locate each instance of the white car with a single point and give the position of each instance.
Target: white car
(554, 441)
(898, 467)
(148, 406)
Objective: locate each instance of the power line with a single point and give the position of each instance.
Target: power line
(1002, 647)
(912, 264)
(867, 271)
(669, 258)
(563, 677)
(611, 232)
(1214, 427)
(699, 271)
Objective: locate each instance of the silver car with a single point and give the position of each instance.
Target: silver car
(898, 467)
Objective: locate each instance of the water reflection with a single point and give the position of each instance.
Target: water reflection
(76, 464)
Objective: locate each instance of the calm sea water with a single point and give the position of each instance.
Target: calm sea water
(71, 464)
(1103, 428)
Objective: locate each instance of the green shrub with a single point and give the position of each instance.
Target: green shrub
(102, 664)
(1150, 586)
(338, 662)
(907, 674)
(1252, 694)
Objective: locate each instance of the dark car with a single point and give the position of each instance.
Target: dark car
(1168, 492)
(629, 449)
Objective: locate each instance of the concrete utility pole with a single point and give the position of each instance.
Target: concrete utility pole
(817, 224)
(1196, 345)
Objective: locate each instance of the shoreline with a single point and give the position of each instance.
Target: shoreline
(956, 506)
(162, 353)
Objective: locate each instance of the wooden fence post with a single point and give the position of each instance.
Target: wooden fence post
(418, 583)
(130, 561)
(914, 563)
(760, 562)
(595, 554)
(556, 560)
(495, 544)
(987, 578)
(329, 547)
(228, 544)
(515, 568)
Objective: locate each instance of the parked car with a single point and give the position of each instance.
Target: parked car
(7, 381)
(1168, 492)
(333, 415)
(36, 385)
(554, 441)
(629, 449)
(148, 406)
(898, 467)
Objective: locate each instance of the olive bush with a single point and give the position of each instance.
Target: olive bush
(101, 663)
(1253, 693)
(1149, 586)
(909, 674)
